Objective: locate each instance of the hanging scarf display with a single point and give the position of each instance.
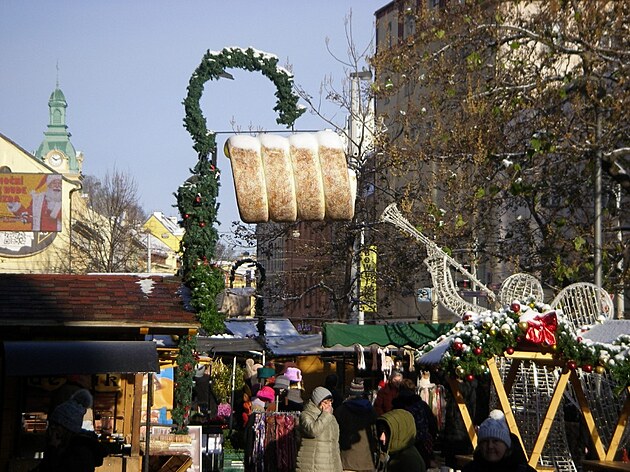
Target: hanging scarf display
(360, 357)
(275, 442)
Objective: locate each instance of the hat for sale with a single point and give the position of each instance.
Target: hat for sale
(265, 372)
(320, 394)
(356, 388)
(69, 414)
(293, 374)
(281, 383)
(295, 395)
(266, 393)
(495, 427)
(258, 404)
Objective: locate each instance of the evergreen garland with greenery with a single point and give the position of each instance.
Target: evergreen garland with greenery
(197, 203)
(478, 337)
(182, 396)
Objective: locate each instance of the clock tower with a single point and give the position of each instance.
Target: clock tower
(56, 150)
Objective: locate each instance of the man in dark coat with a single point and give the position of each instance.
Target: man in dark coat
(356, 416)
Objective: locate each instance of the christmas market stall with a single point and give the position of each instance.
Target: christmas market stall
(62, 333)
(541, 364)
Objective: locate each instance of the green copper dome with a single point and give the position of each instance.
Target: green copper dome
(57, 98)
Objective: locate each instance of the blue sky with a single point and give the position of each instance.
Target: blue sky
(124, 66)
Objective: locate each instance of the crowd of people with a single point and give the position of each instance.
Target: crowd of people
(393, 430)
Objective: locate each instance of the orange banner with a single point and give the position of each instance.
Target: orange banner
(31, 202)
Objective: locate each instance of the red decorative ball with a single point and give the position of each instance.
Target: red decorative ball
(477, 350)
(458, 346)
(470, 377)
(202, 224)
(588, 368)
(186, 216)
(198, 198)
(572, 365)
(510, 350)
(515, 307)
(579, 339)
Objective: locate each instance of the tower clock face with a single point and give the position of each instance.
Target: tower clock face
(55, 159)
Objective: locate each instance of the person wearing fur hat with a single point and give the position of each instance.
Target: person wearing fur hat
(356, 416)
(68, 446)
(319, 434)
(497, 449)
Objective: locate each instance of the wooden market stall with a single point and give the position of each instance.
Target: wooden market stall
(64, 332)
(570, 364)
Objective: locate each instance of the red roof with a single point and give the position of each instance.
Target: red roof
(99, 300)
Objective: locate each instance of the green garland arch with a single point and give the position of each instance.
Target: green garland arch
(197, 199)
(213, 66)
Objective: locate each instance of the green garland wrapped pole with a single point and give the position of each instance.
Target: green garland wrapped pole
(197, 200)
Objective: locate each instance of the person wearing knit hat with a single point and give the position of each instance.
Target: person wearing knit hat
(319, 433)
(68, 445)
(356, 417)
(497, 448)
(356, 388)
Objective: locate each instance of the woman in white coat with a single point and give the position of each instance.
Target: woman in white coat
(319, 435)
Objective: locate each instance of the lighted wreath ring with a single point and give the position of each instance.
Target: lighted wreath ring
(213, 66)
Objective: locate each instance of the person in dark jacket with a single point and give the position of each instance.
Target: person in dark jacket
(356, 416)
(396, 432)
(386, 395)
(331, 384)
(426, 423)
(497, 449)
(68, 446)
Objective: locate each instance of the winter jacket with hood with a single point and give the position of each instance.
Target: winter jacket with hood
(356, 416)
(319, 441)
(401, 433)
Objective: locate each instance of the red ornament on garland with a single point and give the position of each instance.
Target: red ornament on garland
(515, 307)
(470, 377)
(477, 351)
(198, 198)
(202, 224)
(572, 365)
(510, 350)
(186, 216)
(458, 346)
(588, 368)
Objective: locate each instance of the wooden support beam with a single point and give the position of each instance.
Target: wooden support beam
(588, 416)
(495, 375)
(550, 414)
(463, 409)
(137, 414)
(619, 429)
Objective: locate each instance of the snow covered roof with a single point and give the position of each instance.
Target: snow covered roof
(607, 331)
(273, 327)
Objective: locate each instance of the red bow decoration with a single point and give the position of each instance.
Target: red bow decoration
(541, 329)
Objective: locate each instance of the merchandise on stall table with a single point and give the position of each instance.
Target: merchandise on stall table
(304, 177)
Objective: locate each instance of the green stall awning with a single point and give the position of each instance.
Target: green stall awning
(413, 335)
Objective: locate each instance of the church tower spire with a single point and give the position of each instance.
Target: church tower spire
(56, 148)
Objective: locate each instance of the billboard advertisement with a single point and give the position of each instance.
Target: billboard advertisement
(31, 202)
(367, 281)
